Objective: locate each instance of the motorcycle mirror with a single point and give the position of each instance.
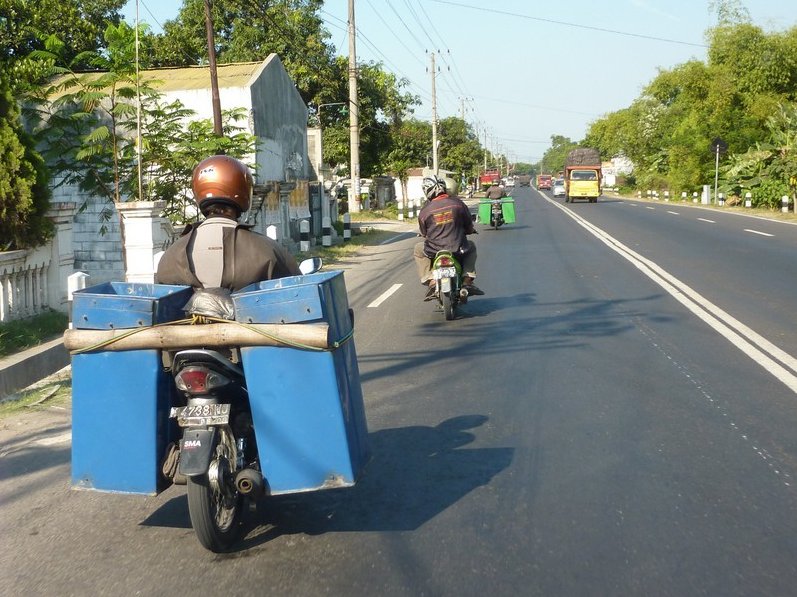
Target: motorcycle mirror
(310, 266)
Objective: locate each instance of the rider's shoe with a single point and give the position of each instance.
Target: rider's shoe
(473, 290)
(431, 293)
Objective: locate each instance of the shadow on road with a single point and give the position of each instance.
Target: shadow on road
(415, 474)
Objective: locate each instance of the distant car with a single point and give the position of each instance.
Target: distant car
(510, 182)
(559, 187)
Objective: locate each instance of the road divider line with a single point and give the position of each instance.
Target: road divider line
(776, 361)
(758, 232)
(675, 213)
(384, 296)
(705, 220)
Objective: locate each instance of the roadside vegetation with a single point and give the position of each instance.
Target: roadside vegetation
(19, 335)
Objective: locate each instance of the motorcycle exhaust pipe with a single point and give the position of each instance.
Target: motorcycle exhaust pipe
(250, 482)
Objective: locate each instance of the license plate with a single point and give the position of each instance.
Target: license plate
(201, 414)
(445, 272)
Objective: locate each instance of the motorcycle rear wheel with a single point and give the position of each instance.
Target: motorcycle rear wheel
(215, 513)
(448, 304)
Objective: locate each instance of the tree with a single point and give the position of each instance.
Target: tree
(84, 116)
(24, 193)
(460, 150)
(250, 30)
(553, 160)
(26, 24)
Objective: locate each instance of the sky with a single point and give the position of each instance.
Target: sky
(520, 71)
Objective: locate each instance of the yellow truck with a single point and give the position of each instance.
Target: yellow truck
(583, 175)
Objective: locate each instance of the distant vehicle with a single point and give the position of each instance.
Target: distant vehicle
(559, 187)
(523, 180)
(583, 175)
(544, 182)
(489, 177)
(510, 181)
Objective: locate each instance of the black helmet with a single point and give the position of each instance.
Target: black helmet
(433, 187)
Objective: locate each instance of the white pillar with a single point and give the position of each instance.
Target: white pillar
(143, 234)
(748, 199)
(62, 258)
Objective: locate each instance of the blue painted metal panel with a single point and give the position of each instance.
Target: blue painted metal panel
(307, 406)
(127, 305)
(296, 299)
(120, 424)
(120, 400)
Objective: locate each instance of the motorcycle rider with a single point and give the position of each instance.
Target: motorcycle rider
(496, 191)
(220, 252)
(444, 223)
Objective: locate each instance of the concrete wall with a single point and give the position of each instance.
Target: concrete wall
(280, 122)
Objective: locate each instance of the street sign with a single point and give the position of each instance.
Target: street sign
(719, 146)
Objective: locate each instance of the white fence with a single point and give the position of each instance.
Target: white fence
(34, 280)
(23, 284)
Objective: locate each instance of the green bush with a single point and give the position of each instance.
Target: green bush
(769, 193)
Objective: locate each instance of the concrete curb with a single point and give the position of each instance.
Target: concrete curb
(20, 370)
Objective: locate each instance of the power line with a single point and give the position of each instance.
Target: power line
(566, 24)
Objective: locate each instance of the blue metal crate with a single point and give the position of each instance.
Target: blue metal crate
(307, 406)
(127, 305)
(120, 400)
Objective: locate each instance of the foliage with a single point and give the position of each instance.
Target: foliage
(89, 125)
(769, 170)
(24, 190)
(24, 333)
(25, 24)
(82, 117)
(553, 160)
(460, 150)
(668, 131)
(250, 30)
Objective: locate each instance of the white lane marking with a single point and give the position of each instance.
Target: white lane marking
(62, 438)
(777, 362)
(705, 220)
(675, 213)
(384, 296)
(757, 232)
(653, 208)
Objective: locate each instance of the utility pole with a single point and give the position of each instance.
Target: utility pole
(214, 79)
(434, 119)
(138, 119)
(354, 117)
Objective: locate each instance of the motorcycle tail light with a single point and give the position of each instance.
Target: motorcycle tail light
(445, 262)
(198, 380)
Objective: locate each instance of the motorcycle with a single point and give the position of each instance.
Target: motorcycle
(496, 213)
(217, 457)
(447, 274)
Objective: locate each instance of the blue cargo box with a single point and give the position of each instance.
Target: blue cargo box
(120, 400)
(127, 305)
(307, 406)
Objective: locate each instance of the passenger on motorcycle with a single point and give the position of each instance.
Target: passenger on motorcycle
(220, 252)
(444, 223)
(495, 192)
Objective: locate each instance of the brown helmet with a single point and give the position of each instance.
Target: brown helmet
(222, 179)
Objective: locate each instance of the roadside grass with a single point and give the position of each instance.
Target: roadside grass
(340, 252)
(54, 391)
(19, 335)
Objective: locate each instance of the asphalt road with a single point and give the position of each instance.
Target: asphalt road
(615, 417)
